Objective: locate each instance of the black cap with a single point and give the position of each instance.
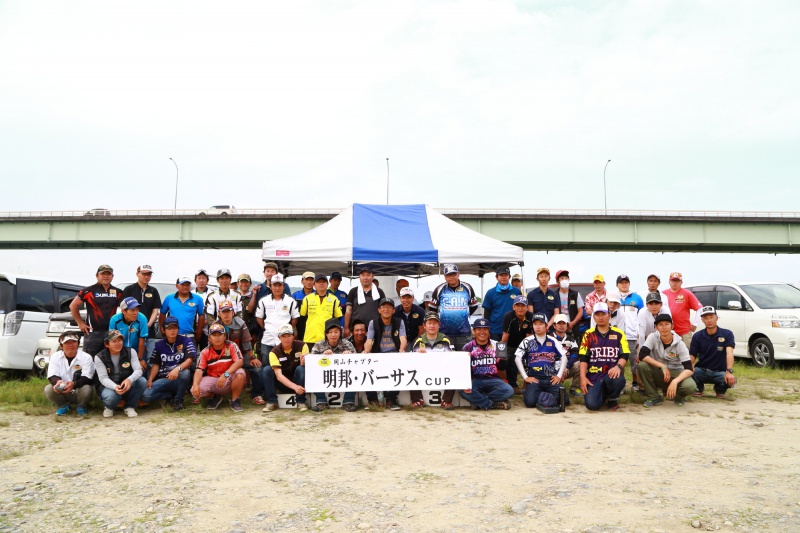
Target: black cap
(332, 323)
(539, 316)
(319, 277)
(336, 275)
(662, 317)
(503, 270)
(364, 268)
(653, 297)
(623, 277)
(383, 301)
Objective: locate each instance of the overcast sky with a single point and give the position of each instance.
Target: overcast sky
(476, 103)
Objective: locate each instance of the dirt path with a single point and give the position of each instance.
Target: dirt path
(729, 464)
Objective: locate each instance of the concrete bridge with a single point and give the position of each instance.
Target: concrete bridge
(540, 230)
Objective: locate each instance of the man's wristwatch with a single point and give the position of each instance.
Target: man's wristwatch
(729, 370)
(227, 374)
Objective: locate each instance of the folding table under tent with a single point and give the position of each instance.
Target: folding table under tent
(395, 240)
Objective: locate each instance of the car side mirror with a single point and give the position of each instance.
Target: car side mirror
(735, 305)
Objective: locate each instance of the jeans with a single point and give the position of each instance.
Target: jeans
(532, 391)
(110, 398)
(149, 346)
(653, 381)
(487, 391)
(605, 389)
(80, 396)
(702, 376)
(272, 385)
(164, 389)
(256, 380)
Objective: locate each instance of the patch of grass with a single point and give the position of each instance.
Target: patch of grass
(4, 423)
(747, 370)
(423, 476)
(5, 455)
(321, 514)
(21, 394)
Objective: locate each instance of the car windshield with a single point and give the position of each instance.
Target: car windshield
(773, 295)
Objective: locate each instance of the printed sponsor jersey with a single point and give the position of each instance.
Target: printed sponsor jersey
(287, 361)
(217, 363)
(101, 305)
(483, 360)
(169, 355)
(439, 344)
(680, 303)
(454, 306)
(186, 312)
(602, 351)
(275, 313)
(215, 298)
(318, 310)
(542, 356)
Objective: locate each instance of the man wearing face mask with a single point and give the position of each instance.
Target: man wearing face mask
(569, 301)
(498, 302)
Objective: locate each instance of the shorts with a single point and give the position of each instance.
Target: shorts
(208, 385)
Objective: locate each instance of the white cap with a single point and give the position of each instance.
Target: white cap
(276, 278)
(406, 291)
(600, 307)
(613, 296)
(428, 296)
(561, 317)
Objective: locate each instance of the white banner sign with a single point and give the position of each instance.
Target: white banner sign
(388, 371)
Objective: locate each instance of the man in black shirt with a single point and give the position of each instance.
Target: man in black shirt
(362, 300)
(149, 303)
(102, 300)
(517, 324)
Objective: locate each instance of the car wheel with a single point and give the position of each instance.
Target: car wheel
(762, 352)
(37, 372)
(202, 214)
(223, 214)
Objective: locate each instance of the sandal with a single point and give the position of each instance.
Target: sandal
(447, 406)
(417, 404)
(258, 400)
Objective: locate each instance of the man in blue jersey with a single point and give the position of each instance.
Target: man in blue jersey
(499, 301)
(336, 280)
(546, 363)
(454, 301)
(603, 355)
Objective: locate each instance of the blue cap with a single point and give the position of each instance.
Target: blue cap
(129, 303)
(520, 300)
(540, 317)
(170, 320)
(450, 268)
(480, 323)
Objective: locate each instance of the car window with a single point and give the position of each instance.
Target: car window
(34, 295)
(705, 295)
(726, 295)
(64, 297)
(773, 295)
(7, 297)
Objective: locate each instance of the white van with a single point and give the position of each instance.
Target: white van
(764, 318)
(26, 303)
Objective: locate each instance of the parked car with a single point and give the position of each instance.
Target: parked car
(48, 345)
(98, 212)
(764, 318)
(219, 210)
(26, 303)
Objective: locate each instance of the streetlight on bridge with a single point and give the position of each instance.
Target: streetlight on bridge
(175, 207)
(605, 200)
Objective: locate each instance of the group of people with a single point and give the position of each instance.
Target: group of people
(216, 341)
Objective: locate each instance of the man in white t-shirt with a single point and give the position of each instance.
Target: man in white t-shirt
(275, 310)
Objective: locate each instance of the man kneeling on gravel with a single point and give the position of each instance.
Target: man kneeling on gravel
(219, 370)
(118, 375)
(488, 390)
(70, 375)
(286, 371)
(170, 364)
(333, 343)
(664, 364)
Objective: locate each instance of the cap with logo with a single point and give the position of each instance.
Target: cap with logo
(428, 296)
(384, 301)
(170, 321)
(336, 275)
(277, 278)
(480, 323)
(450, 268)
(183, 279)
(432, 315)
(677, 276)
(216, 327)
(708, 310)
(543, 269)
(69, 336)
(406, 291)
(223, 272)
(502, 270)
(308, 274)
(112, 334)
(600, 307)
(244, 277)
(517, 276)
(332, 323)
(285, 329)
(623, 277)
(561, 317)
(613, 296)
(662, 317)
(653, 276)
(562, 273)
(540, 317)
(598, 277)
(653, 297)
(144, 268)
(129, 303)
(105, 268)
(520, 300)
(226, 305)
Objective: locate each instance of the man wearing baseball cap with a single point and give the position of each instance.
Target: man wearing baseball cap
(499, 301)
(133, 326)
(562, 334)
(187, 307)
(223, 293)
(542, 299)
(259, 291)
(412, 315)
(170, 373)
(335, 282)
(70, 374)
(455, 301)
(333, 343)
(488, 391)
(517, 324)
(386, 334)
(681, 302)
(118, 376)
(102, 300)
(516, 281)
(149, 302)
(362, 300)
(426, 300)
(318, 307)
(432, 340)
(546, 363)
(603, 355)
(219, 371)
(307, 280)
(665, 366)
(274, 310)
(646, 325)
(711, 351)
(285, 371)
(596, 296)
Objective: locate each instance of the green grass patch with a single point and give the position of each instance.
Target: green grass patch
(747, 370)
(25, 395)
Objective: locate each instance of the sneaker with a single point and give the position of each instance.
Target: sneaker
(177, 405)
(653, 403)
(576, 392)
(635, 387)
(302, 407)
(678, 402)
(447, 406)
(82, 411)
(63, 410)
(270, 407)
(319, 407)
(613, 407)
(392, 405)
(417, 404)
(503, 406)
(195, 401)
(108, 413)
(698, 394)
(350, 407)
(214, 402)
(517, 391)
(720, 395)
(131, 412)
(236, 406)
(258, 400)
